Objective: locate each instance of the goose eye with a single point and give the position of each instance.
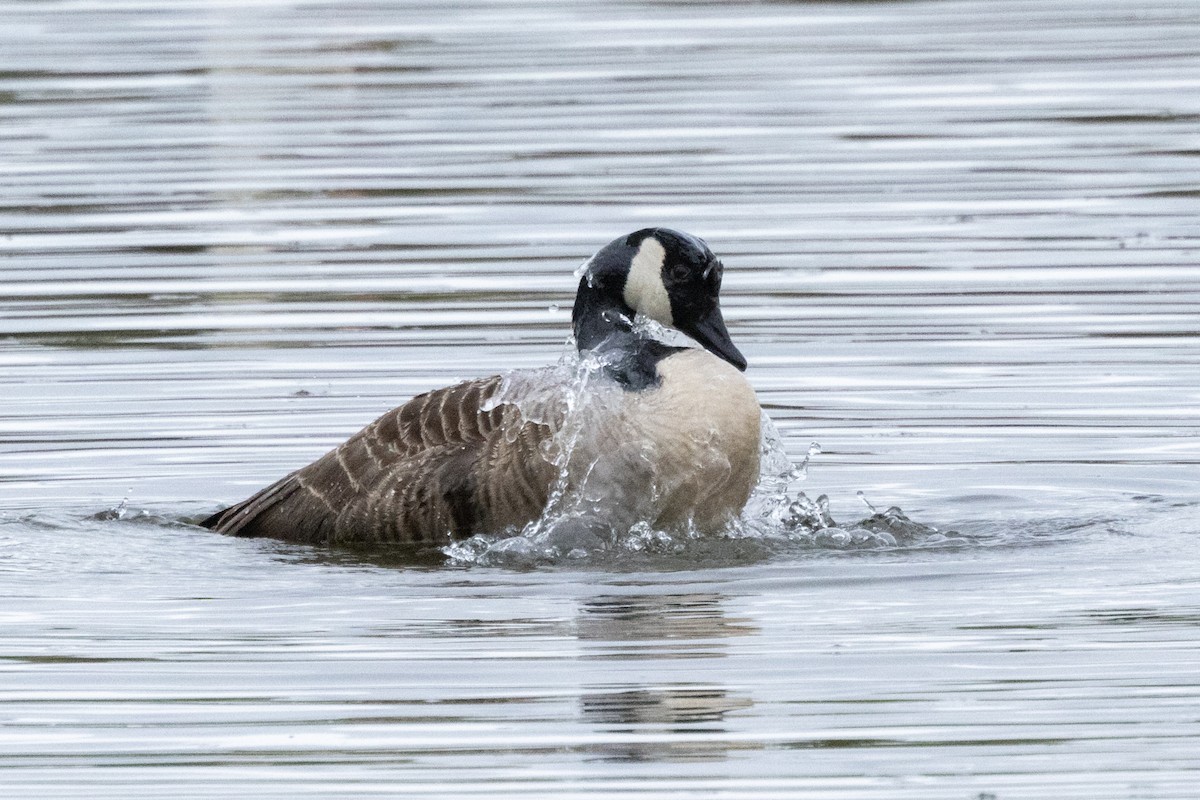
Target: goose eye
(680, 272)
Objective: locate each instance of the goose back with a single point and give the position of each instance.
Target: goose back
(446, 464)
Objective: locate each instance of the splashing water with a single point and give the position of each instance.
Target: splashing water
(567, 397)
(800, 471)
(776, 513)
(579, 526)
(584, 270)
(117, 512)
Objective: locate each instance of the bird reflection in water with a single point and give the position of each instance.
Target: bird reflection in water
(668, 720)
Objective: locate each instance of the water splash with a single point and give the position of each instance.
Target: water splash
(584, 270)
(776, 512)
(568, 398)
(777, 520)
(800, 471)
(119, 511)
(653, 329)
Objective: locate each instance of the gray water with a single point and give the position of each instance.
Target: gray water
(961, 243)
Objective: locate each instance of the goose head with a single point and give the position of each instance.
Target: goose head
(669, 276)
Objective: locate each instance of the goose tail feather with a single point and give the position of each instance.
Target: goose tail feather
(238, 519)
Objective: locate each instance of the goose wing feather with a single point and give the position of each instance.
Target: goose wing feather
(444, 465)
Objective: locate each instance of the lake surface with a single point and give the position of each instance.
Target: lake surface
(962, 244)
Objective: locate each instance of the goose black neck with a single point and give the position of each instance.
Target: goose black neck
(603, 324)
(599, 315)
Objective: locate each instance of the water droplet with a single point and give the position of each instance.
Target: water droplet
(862, 496)
(585, 271)
(823, 504)
(553, 308)
(800, 471)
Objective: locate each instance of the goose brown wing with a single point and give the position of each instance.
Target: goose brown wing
(445, 464)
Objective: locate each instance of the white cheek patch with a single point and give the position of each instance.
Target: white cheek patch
(644, 289)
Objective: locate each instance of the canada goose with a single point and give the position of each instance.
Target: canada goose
(642, 431)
